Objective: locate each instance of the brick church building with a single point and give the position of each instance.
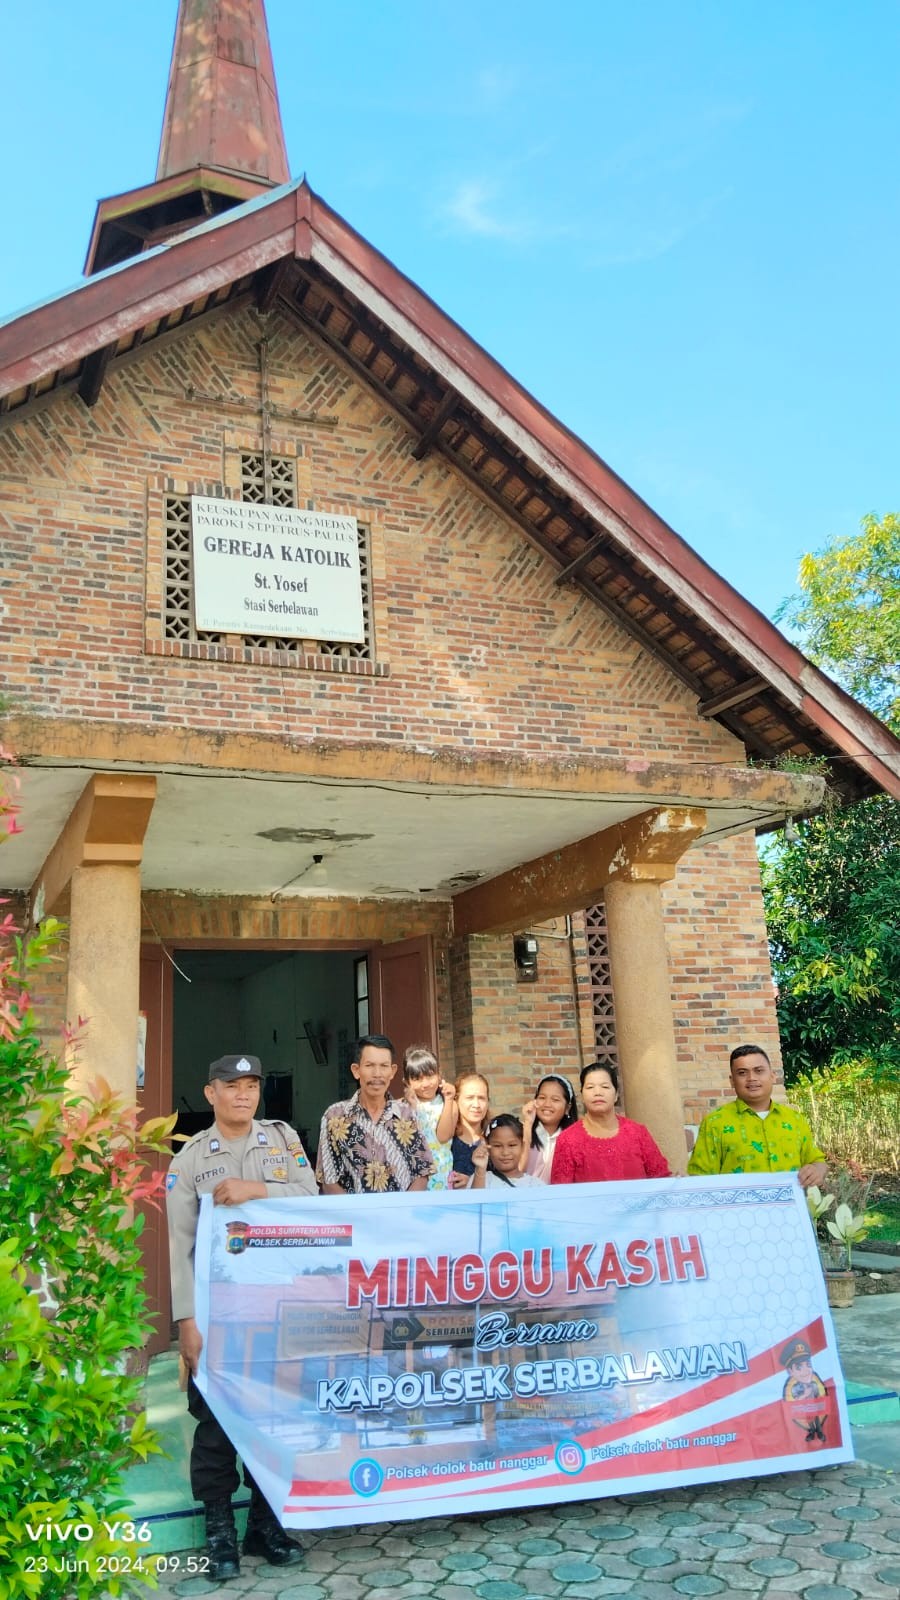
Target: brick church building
(350, 688)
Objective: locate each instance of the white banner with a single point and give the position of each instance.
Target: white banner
(273, 570)
(378, 1357)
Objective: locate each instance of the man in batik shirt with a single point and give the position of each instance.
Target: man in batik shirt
(371, 1143)
(754, 1133)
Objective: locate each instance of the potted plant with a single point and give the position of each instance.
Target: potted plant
(844, 1230)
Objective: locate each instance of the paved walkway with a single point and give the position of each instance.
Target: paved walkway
(827, 1535)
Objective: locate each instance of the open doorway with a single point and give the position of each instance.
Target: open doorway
(299, 1011)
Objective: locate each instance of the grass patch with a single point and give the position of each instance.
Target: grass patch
(883, 1218)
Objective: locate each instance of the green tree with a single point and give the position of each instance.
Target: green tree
(832, 894)
(833, 912)
(847, 615)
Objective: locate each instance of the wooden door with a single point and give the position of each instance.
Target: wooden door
(402, 996)
(155, 1100)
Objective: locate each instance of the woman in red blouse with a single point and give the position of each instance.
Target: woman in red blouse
(603, 1145)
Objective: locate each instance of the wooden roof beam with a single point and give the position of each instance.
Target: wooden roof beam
(93, 372)
(488, 493)
(736, 695)
(429, 434)
(587, 554)
(647, 847)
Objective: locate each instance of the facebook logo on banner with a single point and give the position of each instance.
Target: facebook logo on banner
(366, 1477)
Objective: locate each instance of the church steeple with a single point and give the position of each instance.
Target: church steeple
(222, 104)
(222, 141)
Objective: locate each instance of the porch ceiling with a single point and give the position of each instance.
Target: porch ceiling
(432, 833)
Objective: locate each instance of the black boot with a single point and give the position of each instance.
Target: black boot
(266, 1537)
(221, 1541)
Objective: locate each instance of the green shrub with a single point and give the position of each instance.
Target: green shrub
(71, 1306)
(853, 1118)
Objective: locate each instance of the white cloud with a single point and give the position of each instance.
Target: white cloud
(474, 207)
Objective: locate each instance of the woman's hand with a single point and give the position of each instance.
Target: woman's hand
(529, 1113)
(480, 1156)
(458, 1180)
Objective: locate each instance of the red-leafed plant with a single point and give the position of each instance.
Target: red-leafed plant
(72, 1304)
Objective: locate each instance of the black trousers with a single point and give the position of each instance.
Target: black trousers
(214, 1474)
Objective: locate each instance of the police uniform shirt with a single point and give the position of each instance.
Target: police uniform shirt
(271, 1153)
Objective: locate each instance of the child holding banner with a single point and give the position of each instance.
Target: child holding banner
(551, 1108)
(497, 1158)
(433, 1100)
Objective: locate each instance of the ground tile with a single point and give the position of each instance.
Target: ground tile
(500, 1590)
(653, 1556)
(811, 1586)
(697, 1583)
(298, 1591)
(829, 1591)
(462, 1560)
(774, 1566)
(424, 1568)
(578, 1541)
(389, 1578)
(602, 1586)
(680, 1519)
(889, 1575)
(470, 1579)
(380, 1593)
(540, 1547)
(846, 1550)
(455, 1591)
(857, 1513)
(576, 1571)
(722, 1539)
(587, 1591)
(789, 1525)
(612, 1532)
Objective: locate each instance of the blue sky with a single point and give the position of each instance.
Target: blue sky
(675, 221)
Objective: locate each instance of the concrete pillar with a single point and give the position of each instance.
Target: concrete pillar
(104, 973)
(645, 1031)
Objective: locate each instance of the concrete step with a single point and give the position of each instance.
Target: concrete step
(867, 1407)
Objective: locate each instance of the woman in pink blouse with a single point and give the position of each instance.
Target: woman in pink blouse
(603, 1145)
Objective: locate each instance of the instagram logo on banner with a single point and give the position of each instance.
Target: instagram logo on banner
(570, 1457)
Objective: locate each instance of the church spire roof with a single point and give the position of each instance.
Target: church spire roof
(222, 103)
(222, 141)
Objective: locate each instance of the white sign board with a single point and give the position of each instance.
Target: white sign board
(273, 570)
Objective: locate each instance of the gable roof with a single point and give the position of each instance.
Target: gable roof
(287, 247)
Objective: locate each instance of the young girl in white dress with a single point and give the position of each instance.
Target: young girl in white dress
(552, 1108)
(434, 1101)
(496, 1158)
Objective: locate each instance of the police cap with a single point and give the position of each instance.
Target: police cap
(227, 1068)
(797, 1350)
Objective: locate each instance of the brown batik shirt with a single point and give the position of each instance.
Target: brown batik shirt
(366, 1157)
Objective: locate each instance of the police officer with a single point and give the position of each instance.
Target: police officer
(802, 1383)
(236, 1160)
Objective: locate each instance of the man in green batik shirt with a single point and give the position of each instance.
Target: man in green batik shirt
(753, 1133)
